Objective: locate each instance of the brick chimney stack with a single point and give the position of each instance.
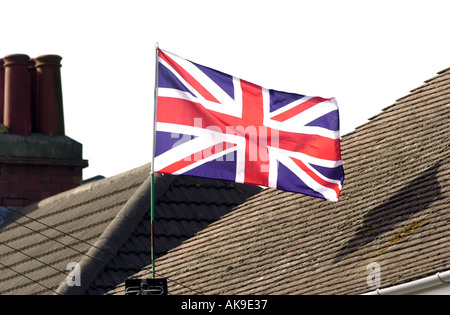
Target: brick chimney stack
(37, 159)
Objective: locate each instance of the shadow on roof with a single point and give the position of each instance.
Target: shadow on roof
(411, 199)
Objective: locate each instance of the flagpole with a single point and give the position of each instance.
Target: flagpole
(152, 173)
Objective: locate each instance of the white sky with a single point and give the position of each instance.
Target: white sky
(365, 54)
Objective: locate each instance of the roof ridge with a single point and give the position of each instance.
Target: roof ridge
(445, 70)
(398, 101)
(92, 185)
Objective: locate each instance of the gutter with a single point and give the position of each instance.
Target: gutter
(435, 284)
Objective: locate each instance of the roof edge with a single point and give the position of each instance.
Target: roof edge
(116, 234)
(92, 185)
(438, 281)
(411, 92)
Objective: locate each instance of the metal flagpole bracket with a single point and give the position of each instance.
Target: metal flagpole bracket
(146, 286)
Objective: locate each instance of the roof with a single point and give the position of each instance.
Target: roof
(390, 226)
(104, 227)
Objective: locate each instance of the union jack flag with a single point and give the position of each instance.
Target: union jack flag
(214, 125)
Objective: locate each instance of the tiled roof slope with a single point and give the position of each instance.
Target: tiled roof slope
(34, 249)
(103, 227)
(394, 211)
(187, 206)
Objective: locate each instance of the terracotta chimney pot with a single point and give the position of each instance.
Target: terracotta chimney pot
(50, 101)
(17, 111)
(2, 90)
(33, 96)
